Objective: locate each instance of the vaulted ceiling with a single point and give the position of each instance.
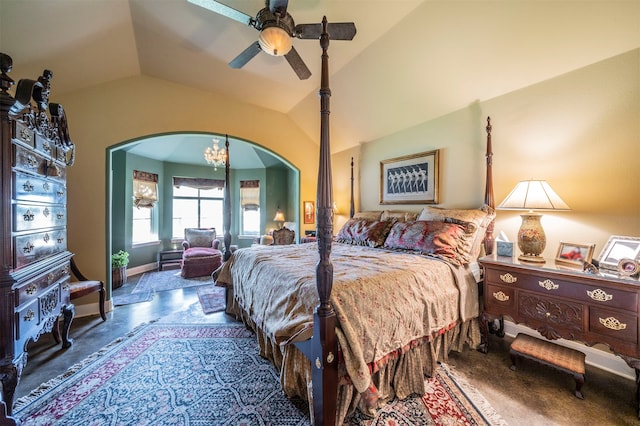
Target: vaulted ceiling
(410, 61)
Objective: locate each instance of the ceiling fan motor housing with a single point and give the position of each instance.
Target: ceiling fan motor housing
(275, 32)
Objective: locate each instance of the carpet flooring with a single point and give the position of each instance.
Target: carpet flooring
(166, 373)
(152, 282)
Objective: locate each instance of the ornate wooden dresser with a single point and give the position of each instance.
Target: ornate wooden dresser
(34, 279)
(565, 303)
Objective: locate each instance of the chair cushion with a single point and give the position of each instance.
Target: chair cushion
(201, 252)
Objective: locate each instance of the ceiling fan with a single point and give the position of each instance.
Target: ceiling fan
(277, 28)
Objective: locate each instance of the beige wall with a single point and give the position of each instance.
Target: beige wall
(579, 131)
(109, 114)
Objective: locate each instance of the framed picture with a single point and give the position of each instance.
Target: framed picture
(412, 179)
(618, 248)
(573, 254)
(309, 212)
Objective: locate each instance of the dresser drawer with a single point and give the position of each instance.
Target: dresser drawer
(558, 313)
(22, 133)
(33, 162)
(559, 287)
(27, 320)
(45, 146)
(30, 248)
(31, 289)
(28, 217)
(615, 324)
(499, 299)
(34, 188)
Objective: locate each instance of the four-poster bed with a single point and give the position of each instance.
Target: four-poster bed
(394, 310)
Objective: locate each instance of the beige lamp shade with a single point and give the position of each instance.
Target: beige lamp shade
(275, 41)
(532, 195)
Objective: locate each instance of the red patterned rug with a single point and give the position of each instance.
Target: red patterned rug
(211, 374)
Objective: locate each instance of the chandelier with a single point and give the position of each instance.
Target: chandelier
(216, 155)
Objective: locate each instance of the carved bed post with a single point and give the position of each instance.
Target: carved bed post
(322, 349)
(226, 220)
(488, 190)
(352, 209)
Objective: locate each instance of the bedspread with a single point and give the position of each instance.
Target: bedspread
(384, 300)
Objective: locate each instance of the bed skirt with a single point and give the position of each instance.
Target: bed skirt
(400, 375)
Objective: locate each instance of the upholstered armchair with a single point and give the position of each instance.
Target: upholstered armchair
(201, 254)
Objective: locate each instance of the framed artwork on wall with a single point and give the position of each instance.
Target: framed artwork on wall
(309, 212)
(412, 179)
(618, 248)
(573, 254)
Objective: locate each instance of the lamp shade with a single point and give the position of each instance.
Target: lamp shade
(279, 217)
(533, 195)
(275, 41)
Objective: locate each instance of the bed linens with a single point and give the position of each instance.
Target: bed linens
(384, 300)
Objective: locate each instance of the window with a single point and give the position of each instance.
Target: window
(143, 230)
(197, 203)
(250, 203)
(145, 196)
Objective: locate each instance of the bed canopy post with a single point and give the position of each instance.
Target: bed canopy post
(322, 349)
(488, 190)
(352, 209)
(226, 219)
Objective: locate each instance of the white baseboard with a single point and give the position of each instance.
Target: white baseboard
(142, 269)
(600, 358)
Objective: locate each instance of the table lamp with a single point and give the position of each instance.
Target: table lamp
(279, 218)
(532, 195)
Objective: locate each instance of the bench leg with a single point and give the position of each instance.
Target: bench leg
(579, 382)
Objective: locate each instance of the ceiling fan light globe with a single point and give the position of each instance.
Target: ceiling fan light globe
(275, 41)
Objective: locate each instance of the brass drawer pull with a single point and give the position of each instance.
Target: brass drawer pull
(599, 295)
(30, 315)
(500, 296)
(25, 135)
(508, 278)
(612, 323)
(28, 216)
(27, 186)
(66, 287)
(548, 285)
(46, 187)
(28, 248)
(31, 289)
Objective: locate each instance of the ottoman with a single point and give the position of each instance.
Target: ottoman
(200, 261)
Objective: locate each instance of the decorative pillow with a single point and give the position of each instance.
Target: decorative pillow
(400, 216)
(434, 237)
(371, 215)
(475, 220)
(200, 237)
(365, 232)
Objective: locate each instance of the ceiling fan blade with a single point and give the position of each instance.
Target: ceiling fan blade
(336, 30)
(246, 55)
(278, 6)
(297, 64)
(223, 10)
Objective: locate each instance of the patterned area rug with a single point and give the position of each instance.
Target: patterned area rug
(211, 298)
(211, 374)
(167, 280)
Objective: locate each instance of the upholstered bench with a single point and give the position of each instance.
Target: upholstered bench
(200, 261)
(547, 353)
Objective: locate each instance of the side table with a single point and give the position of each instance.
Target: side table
(169, 258)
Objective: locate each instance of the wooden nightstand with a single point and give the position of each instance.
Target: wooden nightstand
(564, 303)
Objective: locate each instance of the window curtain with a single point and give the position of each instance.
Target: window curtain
(198, 183)
(250, 194)
(145, 189)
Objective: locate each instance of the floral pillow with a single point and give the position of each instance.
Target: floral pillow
(365, 232)
(437, 238)
(476, 222)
